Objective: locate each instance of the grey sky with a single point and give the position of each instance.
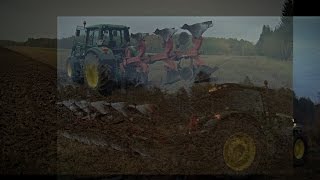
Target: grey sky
(21, 19)
(240, 27)
(306, 52)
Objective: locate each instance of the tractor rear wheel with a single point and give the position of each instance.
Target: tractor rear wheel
(299, 150)
(98, 74)
(241, 148)
(74, 70)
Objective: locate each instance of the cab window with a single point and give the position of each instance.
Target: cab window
(93, 37)
(117, 37)
(105, 37)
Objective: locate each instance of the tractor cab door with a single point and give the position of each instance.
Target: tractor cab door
(120, 37)
(105, 38)
(93, 37)
(109, 38)
(78, 47)
(118, 40)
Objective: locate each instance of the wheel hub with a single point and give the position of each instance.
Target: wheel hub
(239, 151)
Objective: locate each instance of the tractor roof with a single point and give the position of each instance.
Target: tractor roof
(107, 26)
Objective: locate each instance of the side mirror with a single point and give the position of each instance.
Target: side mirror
(77, 32)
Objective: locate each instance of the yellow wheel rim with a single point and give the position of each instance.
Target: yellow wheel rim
(92, 75)
(239, 151)
(69, 69)
(299, 149)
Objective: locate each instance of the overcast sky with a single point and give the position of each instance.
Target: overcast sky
(22, 19)
(306, 53)
(240, 27)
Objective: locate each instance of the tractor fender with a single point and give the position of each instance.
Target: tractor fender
(101, 53)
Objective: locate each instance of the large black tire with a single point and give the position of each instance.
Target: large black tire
(74, 70)
(99, 74)
(241, 148)
(300, 149)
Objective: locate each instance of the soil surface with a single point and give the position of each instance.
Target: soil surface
(28, 115)
(40, 137)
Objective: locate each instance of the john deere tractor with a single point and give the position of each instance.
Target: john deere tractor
(253, 129)
(96, 55)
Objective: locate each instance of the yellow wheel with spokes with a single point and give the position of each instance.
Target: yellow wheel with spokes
(241, 147)
(92, 75)
(239, 151)
(299, 149)
(98, 73)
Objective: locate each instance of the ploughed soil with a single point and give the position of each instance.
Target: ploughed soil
(155, 143)
(40, 137)
(28, 115)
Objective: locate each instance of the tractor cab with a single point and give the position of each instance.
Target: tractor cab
(114, 37)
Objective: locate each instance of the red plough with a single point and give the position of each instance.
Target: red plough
(196, 71)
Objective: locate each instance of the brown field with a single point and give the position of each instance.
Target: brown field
(44, 55)
(28, 115)
(169, 151)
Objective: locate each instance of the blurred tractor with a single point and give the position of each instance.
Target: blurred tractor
(103, 58)
(96, 54)
(253, 129)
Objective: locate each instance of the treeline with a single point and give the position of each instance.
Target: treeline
(277, 43)
(231, 46)
(32, 42)
(41, 42)
(210, 46)
(304, 110)
(66, 43)
(10, 43)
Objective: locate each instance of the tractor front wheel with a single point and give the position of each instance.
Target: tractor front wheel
(98, 74)
(74, 69)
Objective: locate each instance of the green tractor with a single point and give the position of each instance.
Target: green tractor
(96, 54)
(254, 129)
